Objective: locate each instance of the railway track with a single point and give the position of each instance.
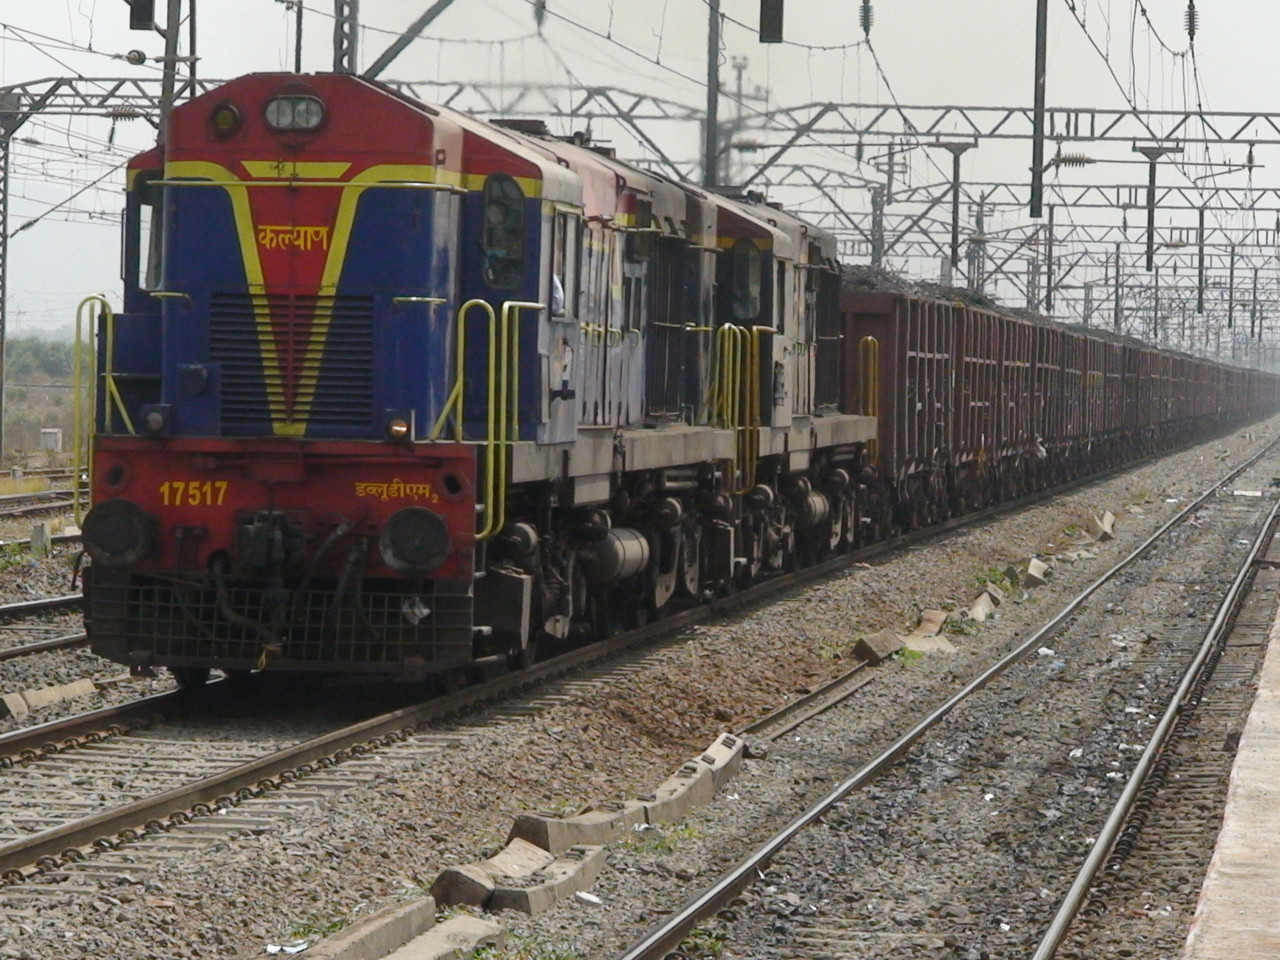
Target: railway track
(32, 504)
(1165, 823)
(831, 936)
(188, 781)
(63, 640)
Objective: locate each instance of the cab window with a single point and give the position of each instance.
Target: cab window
(746, 280)
(566, 264)
(152, 239)
(558, 278)
(780, 298)
(503, 232)
(142, 248)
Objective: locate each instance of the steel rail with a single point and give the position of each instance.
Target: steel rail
(33, 495)
(25, 608)
(227, 785)
(69, 641)
(1217, 632)
(56, 538)
(16, 746)
(23, 510)
(791, 715)
(667, 935)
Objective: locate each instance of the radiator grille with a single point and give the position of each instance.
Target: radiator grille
(339, 370)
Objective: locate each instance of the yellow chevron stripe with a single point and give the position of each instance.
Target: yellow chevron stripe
(237, 189)
(273, 378)
(243, 216)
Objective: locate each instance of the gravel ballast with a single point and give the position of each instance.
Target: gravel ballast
(585, 741)
(24, 577)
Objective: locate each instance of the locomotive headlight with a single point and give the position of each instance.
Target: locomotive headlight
(116, 533)
(415, 540)
(155, 418)
(294, 113)
(397, 428)
(225, 120)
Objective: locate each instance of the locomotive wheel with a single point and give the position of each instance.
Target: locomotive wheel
(525, 658)
(787, 556)
(754, 551)
(848, 523)
(190, 678)
(836, 526)
(690, 563)
(919, 510)
(884, 528)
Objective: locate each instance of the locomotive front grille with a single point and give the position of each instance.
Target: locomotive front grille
(324, 380)
(166, 620)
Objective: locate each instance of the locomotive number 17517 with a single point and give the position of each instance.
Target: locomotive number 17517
(193, 493)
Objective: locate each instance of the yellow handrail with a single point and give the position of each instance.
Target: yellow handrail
(713, 381)
(722, 365)
(755, 416)
(460, 372)
(508, 373)
(869, 375)
(84, 427)
(726, 403)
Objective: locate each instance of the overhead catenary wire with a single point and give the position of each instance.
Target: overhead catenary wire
(32, 222)
(25, 35)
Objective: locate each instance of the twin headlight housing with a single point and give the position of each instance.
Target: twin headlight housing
(294, 112)
(287, 113)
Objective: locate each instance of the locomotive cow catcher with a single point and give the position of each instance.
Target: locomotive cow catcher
(394, 391)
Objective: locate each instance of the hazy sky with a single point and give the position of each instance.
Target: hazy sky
(933, 51)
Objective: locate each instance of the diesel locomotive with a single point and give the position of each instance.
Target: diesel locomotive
(394, 390)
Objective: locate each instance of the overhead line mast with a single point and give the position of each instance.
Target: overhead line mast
(711, 121)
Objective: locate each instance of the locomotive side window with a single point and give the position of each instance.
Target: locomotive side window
(152, 235)
(579, 245)
(503, 232)
(746, 280)
(142, 250)
(559, 285)
(780, 298)
(566, 260)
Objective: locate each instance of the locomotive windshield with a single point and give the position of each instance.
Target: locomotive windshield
(503, 232)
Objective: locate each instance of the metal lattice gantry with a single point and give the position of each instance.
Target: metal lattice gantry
(862, 191)
(346, 35)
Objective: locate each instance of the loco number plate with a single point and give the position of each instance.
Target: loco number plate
(193, 493)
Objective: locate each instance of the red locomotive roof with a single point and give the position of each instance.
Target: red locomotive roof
(616, 191)
(491, 149)
(365, 125)
(406, 133)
